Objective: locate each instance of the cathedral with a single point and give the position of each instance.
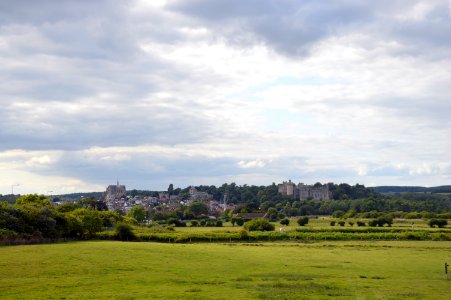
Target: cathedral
(114, 192)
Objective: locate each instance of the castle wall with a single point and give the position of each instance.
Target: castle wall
(302, 191)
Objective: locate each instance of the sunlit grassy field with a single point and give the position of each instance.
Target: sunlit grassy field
(121, 270)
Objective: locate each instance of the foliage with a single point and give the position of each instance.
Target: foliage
(124, 232)
(196, 209)
(89, 220)
(138, 213)
(244, 234)
(33, 200)
(437, 222)
(381, 221)
(259, 224)
(237, 220)
(171, 189)
(332, 223)
(285, 222)
(176, 223)
(302, 221)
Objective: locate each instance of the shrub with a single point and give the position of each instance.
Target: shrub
(203, 222)
(338, 214)
(370, 214)
(239, 221)
(176, 223)
(259, 224)
(440, 223)
(194, 223)
(124, 232)
(413, 215)
(285, 222)
(332, 223)
(351, 223)
(244, 234)
(342, 223)
(219, 223)
(360, 223)
(210, 223)
(302, 221)
(381, 221)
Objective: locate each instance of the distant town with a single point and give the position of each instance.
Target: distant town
(274, 202)
(116, 197)
(284, 199)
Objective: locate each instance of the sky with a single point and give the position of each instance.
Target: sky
(193, 92)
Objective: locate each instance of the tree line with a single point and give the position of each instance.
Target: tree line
(35, 217)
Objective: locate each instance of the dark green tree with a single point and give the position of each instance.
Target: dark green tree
(285, 222)
(197, 209)
(302, 221)
(259, 224)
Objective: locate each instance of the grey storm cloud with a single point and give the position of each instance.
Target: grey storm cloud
(295, 27)
(291, 27)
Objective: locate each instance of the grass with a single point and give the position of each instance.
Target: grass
(122, 270)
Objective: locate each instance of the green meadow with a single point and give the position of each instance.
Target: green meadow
(284, 270)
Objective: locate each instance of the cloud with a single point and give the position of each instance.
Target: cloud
(251, 164)
(198, 91)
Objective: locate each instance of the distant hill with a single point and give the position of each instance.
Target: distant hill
(411, 189)
(77, 196)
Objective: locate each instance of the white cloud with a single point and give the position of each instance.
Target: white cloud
(39, 160)
(251, 164)
(116, 157)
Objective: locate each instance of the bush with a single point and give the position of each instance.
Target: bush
(381, 221)
(244, 234)
(440, 223)
(194, 223)
(351, 223)
(332, 223)
(360, 223)
(342, 223)
(124, 232)
(239, 221)
(259, 224)
(219, 223)
(176, 223)
(370, 214)
(210, 223)
(338, 214)
(285, 222)
(302, 221)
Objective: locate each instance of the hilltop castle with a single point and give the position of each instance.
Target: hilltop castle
(303, 191)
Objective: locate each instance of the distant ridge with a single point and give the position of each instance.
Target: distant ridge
(78, 196)
(411, 189)
(379, 189)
